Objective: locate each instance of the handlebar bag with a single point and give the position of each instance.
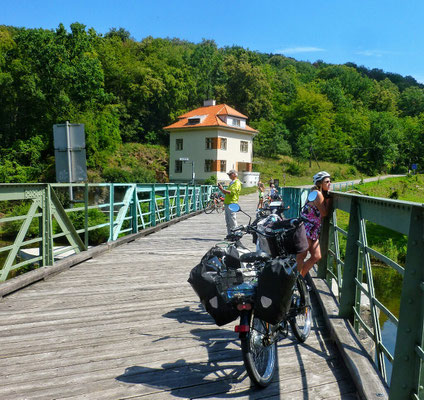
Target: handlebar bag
(274, 290)
(203, 280)
(291, 238)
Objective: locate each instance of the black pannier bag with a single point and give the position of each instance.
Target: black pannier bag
(203, 279)
(274, 291)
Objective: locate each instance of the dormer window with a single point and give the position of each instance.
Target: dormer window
(235, 122)
(196, 119)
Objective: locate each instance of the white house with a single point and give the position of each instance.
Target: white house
(210, 140)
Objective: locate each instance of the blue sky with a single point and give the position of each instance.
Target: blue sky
(377, 34)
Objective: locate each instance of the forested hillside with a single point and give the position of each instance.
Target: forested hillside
(125, 91)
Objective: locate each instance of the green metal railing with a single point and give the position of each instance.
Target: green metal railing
(407, 218)
(97, 213)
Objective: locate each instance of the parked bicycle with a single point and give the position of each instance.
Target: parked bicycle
(215, 203)
(262, 288)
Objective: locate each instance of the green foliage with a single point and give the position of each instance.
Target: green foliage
(294, 172)
(9, 230)
(95, 217)
(211, 180)
(408, 188)
(294, 168)
(271, 139)
(136, 175)
(125, 91)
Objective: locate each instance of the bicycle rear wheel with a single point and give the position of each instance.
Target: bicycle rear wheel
(301, 306)
(209, 207)
(260, 358)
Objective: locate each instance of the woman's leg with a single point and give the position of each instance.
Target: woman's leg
(315, 252)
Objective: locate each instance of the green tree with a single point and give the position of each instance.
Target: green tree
(309, 119)
(411, 102)
(271, 139)
(246, 87)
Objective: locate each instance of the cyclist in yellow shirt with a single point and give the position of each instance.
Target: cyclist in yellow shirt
(232, 194)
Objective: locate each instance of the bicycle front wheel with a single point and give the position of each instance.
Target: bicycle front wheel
(209, 207)
(260, 358)
(301, 321)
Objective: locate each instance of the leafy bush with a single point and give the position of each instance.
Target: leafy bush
(95, 217)
(136, 175)
(210, 181)
(294, 168)
(11, 229)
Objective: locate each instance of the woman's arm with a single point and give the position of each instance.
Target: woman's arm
(323, 204)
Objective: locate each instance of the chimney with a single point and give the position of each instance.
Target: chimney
(208, 103)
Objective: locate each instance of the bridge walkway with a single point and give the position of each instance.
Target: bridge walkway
(127, 325)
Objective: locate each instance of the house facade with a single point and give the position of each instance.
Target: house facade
(209, 141)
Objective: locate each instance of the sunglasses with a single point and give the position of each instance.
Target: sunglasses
(327, 181)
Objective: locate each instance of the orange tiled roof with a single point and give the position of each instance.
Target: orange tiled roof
(212, 114)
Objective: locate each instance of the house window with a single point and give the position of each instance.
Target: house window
(178, 166)
(193, 120)
(178, 144)
(223, 166)
(244, 146)
(223, 144)
(209, 143)
(208, 165)
(236, 122)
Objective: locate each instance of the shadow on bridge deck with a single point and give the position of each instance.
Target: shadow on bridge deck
(126, 324)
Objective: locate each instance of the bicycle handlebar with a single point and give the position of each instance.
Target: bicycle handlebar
(294, 222)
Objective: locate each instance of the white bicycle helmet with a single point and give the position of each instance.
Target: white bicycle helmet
(320, 176)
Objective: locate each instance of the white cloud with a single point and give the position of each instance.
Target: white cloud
(376, 53)
(296, 50)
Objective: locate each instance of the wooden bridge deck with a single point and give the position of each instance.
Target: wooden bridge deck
(127, 325)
